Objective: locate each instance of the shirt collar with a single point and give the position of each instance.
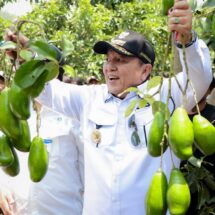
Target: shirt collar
(108, 96)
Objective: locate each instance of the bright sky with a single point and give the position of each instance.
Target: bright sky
(19, 8)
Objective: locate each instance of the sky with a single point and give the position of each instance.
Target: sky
(17, 9)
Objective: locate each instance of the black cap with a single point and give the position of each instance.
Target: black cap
(60, 59)
(59, 56)
(128, 43)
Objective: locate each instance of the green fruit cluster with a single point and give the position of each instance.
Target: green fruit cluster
(183, 133)
(162, 195)
(28, 82)
(14, 112)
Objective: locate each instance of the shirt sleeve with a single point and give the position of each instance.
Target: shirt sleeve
(67, 99)
(199, 72)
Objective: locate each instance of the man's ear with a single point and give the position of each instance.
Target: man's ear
(147, 68)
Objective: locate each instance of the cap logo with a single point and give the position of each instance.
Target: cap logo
(118, 42)
(121, 49)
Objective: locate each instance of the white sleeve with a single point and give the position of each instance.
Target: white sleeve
(64, 98)
(200, 74)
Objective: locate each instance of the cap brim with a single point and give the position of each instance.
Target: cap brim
(102, 47)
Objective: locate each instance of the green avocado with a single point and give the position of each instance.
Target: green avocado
(19, 102)
(14, 168)
(23, 143)
(6, 155)
(9, 124)
(155, 200)
(156, 133)
(204, 134)
(38, 159)
(178, 193)
(180, 134)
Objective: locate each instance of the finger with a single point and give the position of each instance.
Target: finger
(182, 28)
(181, 4)
(6, 207)
(180, 12)
(11, 202)
(180, 20)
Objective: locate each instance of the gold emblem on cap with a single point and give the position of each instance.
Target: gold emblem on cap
(121, 49)
(118, 42)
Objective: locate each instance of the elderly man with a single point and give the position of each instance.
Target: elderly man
(117, 172)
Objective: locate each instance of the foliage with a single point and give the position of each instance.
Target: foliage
(82, 23)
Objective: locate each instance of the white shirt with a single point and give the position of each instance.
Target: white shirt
(61, 190)
(117, 173)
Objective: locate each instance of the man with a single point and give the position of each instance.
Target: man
(117, 171)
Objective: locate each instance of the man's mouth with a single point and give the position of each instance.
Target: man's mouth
(113, 78)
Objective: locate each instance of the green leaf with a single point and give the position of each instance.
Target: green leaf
(26, 55)
(38, 86)
(195, 161)
(70, 70)
(160, 106)
(28, 73)
(8, 45)
(131, 107)
(203, 196)
(142, 103)
(43, 50)
(149, 99)
(52, 69)
(153, 82)
(131, 89)
(67, 47)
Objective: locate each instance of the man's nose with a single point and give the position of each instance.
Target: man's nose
(111, 66)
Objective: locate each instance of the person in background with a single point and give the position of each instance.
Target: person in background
(118, 168)
(78, 81)
(92, 80)
(61, 190)
(67, 79)
(2, 81)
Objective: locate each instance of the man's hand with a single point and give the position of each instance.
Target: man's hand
(180, 21)
(11, 35)
(7, 202)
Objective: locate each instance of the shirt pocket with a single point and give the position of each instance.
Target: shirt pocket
(101, 130)
(142, 122)
(52, 147)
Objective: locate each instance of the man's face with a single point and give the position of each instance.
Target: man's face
(122, 72)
